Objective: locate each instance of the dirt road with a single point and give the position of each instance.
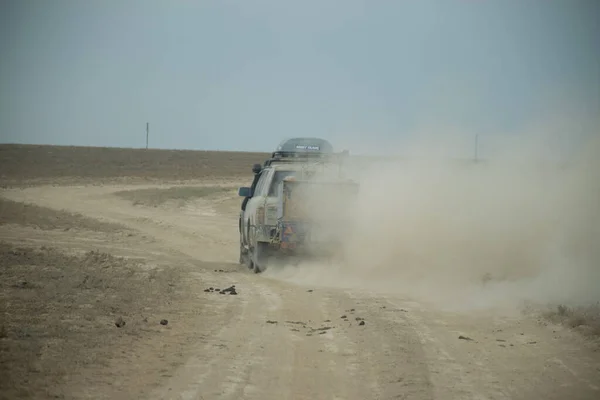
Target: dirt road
(286, 338)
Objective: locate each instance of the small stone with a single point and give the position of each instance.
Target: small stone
(343, 317)
(361, 323)
(461, 337)
(120, 322)
(164, 322)
(325, 328)
(230, 290)
(271, 322)
(21, 285)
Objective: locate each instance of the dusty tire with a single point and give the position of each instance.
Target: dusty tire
(259, 257)
(243, 252)
(248, 262)
(246, 256)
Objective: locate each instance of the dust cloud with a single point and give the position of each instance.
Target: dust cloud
(523, 224)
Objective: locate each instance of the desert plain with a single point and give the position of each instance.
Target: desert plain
(120, 280)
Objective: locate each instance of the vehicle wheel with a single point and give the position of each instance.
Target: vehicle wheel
(246, 258)
(259, 257)
(249, 263)
(243, 252)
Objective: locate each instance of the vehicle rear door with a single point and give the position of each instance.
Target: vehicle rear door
(273, 202)
(256, 205)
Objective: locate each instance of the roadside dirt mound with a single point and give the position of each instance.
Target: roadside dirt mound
(86, 311)
(176, 196)
(31, 215)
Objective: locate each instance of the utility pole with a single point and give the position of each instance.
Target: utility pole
(147, 133)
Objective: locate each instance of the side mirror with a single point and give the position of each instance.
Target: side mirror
(256, 168)
(245, 192)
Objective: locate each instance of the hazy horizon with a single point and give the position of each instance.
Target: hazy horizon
(234, 75)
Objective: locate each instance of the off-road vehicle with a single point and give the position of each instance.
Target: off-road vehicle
(299, 204)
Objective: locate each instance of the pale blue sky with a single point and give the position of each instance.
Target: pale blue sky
(242, 75)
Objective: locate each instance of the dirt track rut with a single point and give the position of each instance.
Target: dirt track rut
(279, 340)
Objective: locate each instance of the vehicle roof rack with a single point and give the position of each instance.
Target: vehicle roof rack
(304, 145)
(302, 150)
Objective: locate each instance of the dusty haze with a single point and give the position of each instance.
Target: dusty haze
(519, 226)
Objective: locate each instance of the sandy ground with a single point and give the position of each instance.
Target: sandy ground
(79, 260)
